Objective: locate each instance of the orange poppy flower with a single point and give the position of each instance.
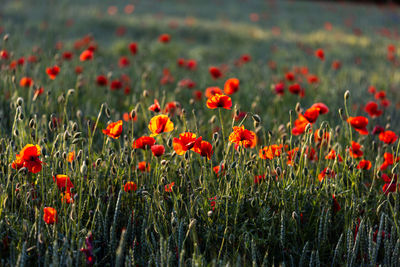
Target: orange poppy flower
(211, 91)
(203, 148)
(114, 129)
(300, 125)
(231, 86)
(67, 198)
(270, 152)
(86, 55)
(388, 137)
(49, 215)
(364, 165)
(321, 139)
(71, 156)
(144, 142)
(143, 166)
(291, 156)
(155, 107)
(243, 137)
(28, 157)
(26, 82)
(323, 109)
(355, 150)
(219, 170)
(312, 114)
(160, 124)
(63, 183)
(130, 186)
(219, 101)
(168, 187)
(53, 71)
(185, 142)
(326, 173)
(359, 124)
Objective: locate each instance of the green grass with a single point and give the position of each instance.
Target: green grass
(208, 219)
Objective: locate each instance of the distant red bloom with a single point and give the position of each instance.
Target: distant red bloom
(215, 72)
(123, 62)
(78, 69)
(4, 54)
(326, 173)
(197, 95)
(115, 85)
(67, 55)
(167, 77)
(295, 88)
(143, 166)
(130, 186)
(312, 78)
(127, 117)
(372, 109)
(188, 83)
(336, 205)
(359, 124)
(164, 38)
(291, 156)
(86, 55)
(355, 150)
(219, 101)
(390, 183)
(364, 165)
(168, 187)
(231, 86)
(144, 142)
(319, 53)
(332, 155)
(191, 64)
(155, 107)
(372, 90)
(380, 95)
(181, 62)
(377, 130)
(133, 47)
(101, 80)
(26, 82)
(336, 65)
(279, 88)
(158, 150)
(49, 215)
(289, 76)
(388, 137)
(211, 91)
(220, 169)
(258, 179)
(53, 71)
(114, 129)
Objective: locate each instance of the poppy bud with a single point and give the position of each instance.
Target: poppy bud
(212, 120)
(215, 136)
(387, 126)
(209, 213)
(61, 99)
(187, 156)
(298, 108)
(79, 114)
(32, 124)
(98, 162)
(57, 154)
(77, 135)
(308, 126)
(305, 171)
(51, 126)
(21, 116)
(337, 130)
(16, 133)
(64, 155)
(169, 142)
(191, 101)
(107, 111)
(6, 37)
(256, 124)
(346, 95)
(256, 118)
(133, 113)
(66, 135)
(164, 162)
(20, 101)
(341, 114)
(79, 156)
(145, 93)
(70, 92)
(278, 171)
(233, 165)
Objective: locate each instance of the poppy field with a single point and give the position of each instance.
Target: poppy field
(199, 133)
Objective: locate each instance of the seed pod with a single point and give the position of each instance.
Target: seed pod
(83, 168)
(57, 154)
(64, 155)
(21, 116)
(347, 94)
(256, 124)
(107, 111)
(256, 118)
(32, 124)
(66, 135)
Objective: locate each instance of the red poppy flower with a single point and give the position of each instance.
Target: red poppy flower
(114, 129)
(319, 53)
(130, 186)
(270, 152)
(160, 124)
(211, 91)
(380, 95)
(336, 205)
(164, 38)
(388, 137)
(279, 88)
(359, 124)
(203, 148)
(188, 83)
(4, 54)
(133, 47)
(28, 157)
(86, 55)
(332, 155)
(157, 150)
(377, 130)
(300, 125)
(67, 198)
(326, 173)
(323, 109)
(219, 101)
(295, 88)
(355, 150)
(220, 169)
(67, 55)
(291, 156)
(191, 64)
(390, 183)
(185, 142)
(197, 95)
(312, 114)
(215, 72)
(388, 160)
(64, 183)
(53, 71)
(49, 215)
(243, 137)
(155, 107)
(289, 76)
(143, 166)
(26, 82)
(123, 62)
(101, 80)
(78, 69)
(364, 165)
(231, 86)
(181, 62)
(168, 187)
(372, 89)
(144, 142)
(259, 178)
(312, 79)
(115, 85)
(372, 109)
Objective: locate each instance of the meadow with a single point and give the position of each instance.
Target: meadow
(199, 133)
